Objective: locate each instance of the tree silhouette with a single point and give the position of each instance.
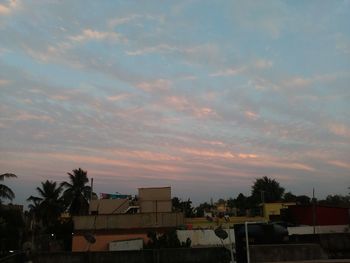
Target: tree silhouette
(5, 191)
(77, 193)
(48, 204)
(266, 190)
(289, 197)
(183, 206)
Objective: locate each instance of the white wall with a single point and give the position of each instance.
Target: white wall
(302, 230)
(204, 237)
(135, 244)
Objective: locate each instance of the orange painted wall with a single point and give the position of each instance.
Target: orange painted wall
(80, 244)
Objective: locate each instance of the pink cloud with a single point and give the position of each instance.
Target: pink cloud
(180, 103)
(6, 9)
(229, 72)
(339, 129)
(156, 85)
(4, 82)
(340, 164)
(118, 97)
(251, 115)
(25, 116)
(90, 34)
(208, 153)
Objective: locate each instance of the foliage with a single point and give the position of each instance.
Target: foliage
(77, 193)
(48, 205)
(303, 200)
(336, 200)
(166, 240)
(11, 228)
(204, 207)
(183, 206)
(289, 197)
(266, 190)
(5, 191)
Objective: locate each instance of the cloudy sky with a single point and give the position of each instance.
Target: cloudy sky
(203, 96)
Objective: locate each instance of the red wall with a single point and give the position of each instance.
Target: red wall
(325, 215)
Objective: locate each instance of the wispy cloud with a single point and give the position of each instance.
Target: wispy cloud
(251, 115)
(90, 34)
(123, 20)
(183, 104)
(26, 116)
(118, 97)
(4, 82)
(115, 22)
(228, 72)
(340, 129)
(260, 64)
(340, 164)
(8, 7)
(343, 44)
(155, 86)
(161, 48)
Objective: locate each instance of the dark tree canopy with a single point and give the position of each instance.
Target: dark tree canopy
(266, 190)
(77, 192)
(183, 206)
(289, 197)
(204, 207)
(336, 200)
(303, 200)
(5, 191)
(48, 205)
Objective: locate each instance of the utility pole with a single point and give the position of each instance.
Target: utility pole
(262, 196)
(92, 185)
(314, 210)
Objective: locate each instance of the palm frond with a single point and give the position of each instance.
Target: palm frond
(7, 175)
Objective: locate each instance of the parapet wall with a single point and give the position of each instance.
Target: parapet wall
(176, 255)
(286, 252)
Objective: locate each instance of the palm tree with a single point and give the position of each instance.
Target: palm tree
(5, 191)
(48, 205)
(77, 193)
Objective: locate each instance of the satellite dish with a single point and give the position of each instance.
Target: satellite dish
(220, 233)
(90, 238)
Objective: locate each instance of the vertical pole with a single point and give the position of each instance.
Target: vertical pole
(231, 244)
(313, 210)
(247, 242)
(92, 185)
(262, 192)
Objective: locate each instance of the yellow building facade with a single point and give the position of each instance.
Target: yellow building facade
(271, 210)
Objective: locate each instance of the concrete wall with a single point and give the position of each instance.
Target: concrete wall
(123, 245)
(108, 206)
(157, 199)
(308, 230)
(152, 206)
(79, 244)
(286, 252)
(202, 222)
(155, 193)
(127, 221)
(183, 255)
(201, 238)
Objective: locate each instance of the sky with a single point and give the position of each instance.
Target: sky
(202, 96)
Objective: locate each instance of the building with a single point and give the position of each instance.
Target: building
(272, 211)
(108, 206)
(318, 215)
(109, 221)
(155, 199)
